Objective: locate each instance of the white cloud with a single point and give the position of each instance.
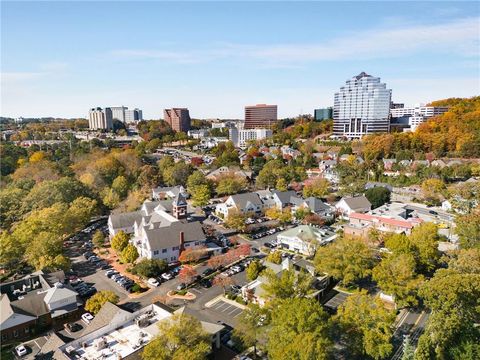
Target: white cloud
(459, 37)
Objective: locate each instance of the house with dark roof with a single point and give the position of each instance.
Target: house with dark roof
(348, 205)
(37, 301)
(166, 193)
(316, 206)
(244, 203)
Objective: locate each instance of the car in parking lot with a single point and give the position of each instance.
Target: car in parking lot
(21, 350)
(72, 327)
(206, 283)
(255, 250)
(181, 286)
(87, 292)
(116, 277)
(153, 282)
(110, 273)
(167, 276)
(235, 289)
(238, 268)
(87, 318)
(208, 271)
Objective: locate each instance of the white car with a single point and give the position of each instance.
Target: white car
(21, 350)
(153, 282)
(87, 318)
(167, 276)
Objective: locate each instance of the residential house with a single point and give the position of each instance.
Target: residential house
(252, 202)
(438, 163)
(165, 193)
(374, 184)
(388, 164)
(348, 205)
(36, 302)
(316, 206)
(215, 175)
(328, 170)
(305, 239)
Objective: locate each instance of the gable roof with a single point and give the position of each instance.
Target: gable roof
(169, 236)
(11, 316)
(107, 314)
(357, 202)
(241, 200)
(180, 200)
(316, 204)
(58, 293)
(126, 219)
(285, 197)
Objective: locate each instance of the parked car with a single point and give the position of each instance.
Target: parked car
(87, 318)
(255, 250)
(206, 283)
(153, 282)
(208, 271)
(235, 288)
(110, 273)
(167, 276)
(21, 350)
(181, 286)
(73, 327)
(116, 277)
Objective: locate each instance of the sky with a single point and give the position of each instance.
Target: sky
(62, 58)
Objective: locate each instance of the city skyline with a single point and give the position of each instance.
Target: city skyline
(218, 58)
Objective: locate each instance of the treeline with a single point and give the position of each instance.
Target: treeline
(455, 133)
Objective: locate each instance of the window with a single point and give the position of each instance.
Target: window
(4, 337)
(164, 251)
(27, 330)
(15, 333)
(175, 248)
(155, 252)
(197, 243)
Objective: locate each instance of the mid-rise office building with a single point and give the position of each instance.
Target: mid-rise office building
(323, 114)
(240, 138)
(260, 116)
(415, 115)
(361, 107)
(177, 118)
(121, 113)
(100, 119)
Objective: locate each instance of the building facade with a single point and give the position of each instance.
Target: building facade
(361, 107)
(100, 119)
(260, 116)
(415, 115)
(323, 114)
(177, 118)
(241, 137)
(133, 116)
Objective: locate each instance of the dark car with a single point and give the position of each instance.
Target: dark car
(206, 283)
(207, 272)
(73, 327)
(255, 250)
(181, 286)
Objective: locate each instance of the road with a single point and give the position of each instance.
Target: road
(410, 323)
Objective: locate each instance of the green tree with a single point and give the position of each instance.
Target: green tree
(299, 329)
(177, 174)
(378, 196)
(236, 220)
(120, 241)
(316, 188)
(468, 229)
(180, 337)
(347, 259)
(98, 239)
(251, 328)
(111, 198)
(396, 276)
(95, 303)
(129, 254)
(200, 195)
(425, 239)
(288, 285)
(196, 179)
(230, 184)
(275, 257)
(366, 326)
(408, 350)
(253, 270)
(148, 268)
(120, 186)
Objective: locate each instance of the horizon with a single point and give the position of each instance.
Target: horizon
(217, 58)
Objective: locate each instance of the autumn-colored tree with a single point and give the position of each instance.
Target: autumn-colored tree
(119, 241)
(216, 261)
(95, 303)
(129, 254)
(187, 274)
(316, 188)
(223, 281)
(192, 255)
(236, 220)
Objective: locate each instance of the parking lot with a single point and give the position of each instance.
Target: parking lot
(229, 310)
(33, 348)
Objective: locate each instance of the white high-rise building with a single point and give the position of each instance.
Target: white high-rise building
(121, 113)
(100, 119)
(241, 137)
(361, 107)
(417, 114)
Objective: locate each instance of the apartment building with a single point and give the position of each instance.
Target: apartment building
(100, 119)
(260, 116)
(415, 115)
(361, 107)
(177, 118)
(240, 138)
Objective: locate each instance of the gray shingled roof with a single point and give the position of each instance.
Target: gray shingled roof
(126, 219)
(241, 200)
(105, 316)
(358, 202)
(285, 196)
(169, 236)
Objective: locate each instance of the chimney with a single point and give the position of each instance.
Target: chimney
(182, 242)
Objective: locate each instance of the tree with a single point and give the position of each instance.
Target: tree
(180, 337)
(425, 240)
(299, 330)
(454, 300)
(119, 241)
(177, 174)
(366, 326)
(187, 274)
(378, 196)
(468, 229)
(466, 261)
(223, 282)
(288, 285)
(396, 276)
(200, 195)
(408, 349)
(253, 270)
(98, 239)
(129, 254)
(316, 188)
(196, 179)
(95, 303)
(148, 268)
(251, 328)
(192, 255)
(275, 257)
(433, 188)
(236, 220)
(347, 259)
(230, 184)
(120, 186)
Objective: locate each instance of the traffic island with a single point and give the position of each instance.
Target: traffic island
(180, 295)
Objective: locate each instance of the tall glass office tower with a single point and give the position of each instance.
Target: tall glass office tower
(361, 107)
